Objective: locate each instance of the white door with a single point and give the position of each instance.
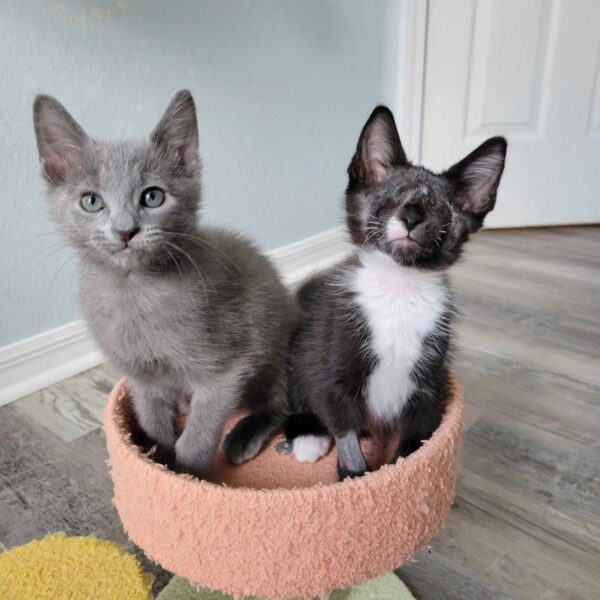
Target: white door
(528, 70)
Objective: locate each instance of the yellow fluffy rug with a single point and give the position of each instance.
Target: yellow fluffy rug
(71, 568)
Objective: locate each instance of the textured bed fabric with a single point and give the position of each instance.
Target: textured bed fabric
(276, 528)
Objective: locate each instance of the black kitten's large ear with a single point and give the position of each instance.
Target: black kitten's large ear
(378, 151)
(476, 178)
(60, 139)
(177, 130)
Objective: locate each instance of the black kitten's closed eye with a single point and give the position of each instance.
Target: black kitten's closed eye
(91, 202)
(153, 197)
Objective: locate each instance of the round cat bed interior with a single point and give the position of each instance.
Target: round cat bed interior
(276, 528)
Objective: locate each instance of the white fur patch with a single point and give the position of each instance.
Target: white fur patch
(396, 230)
(310, 448)
(401, 305)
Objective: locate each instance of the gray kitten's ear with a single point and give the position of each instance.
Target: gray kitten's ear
(475, 180)
(177, 131)
(60, 139)
(378, 151)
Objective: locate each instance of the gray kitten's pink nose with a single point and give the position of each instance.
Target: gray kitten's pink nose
(124, 226)
(126, 234)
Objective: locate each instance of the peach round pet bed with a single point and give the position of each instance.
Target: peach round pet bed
(277, 528)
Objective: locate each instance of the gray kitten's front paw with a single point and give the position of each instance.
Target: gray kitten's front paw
(188, 460)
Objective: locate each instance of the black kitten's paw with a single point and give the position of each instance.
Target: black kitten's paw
(164, 456)
(247, 438)
(407, 447)
(187, 470)
(343, 473)
(241, 448)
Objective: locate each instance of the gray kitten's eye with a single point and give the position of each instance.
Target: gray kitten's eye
(153, 197)
(91, 203)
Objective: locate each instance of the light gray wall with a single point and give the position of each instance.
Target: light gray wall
(282, 89)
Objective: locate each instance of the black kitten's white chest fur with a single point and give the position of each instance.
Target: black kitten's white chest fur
(402, 307)
(370, 355)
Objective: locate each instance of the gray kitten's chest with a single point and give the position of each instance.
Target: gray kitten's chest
(145, 327)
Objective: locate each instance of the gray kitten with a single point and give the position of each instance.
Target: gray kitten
(195, 318)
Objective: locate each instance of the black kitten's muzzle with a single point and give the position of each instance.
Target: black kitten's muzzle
(411, 215)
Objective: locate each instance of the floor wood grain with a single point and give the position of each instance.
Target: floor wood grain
(71, 408)
(526, 521)
(434, 576)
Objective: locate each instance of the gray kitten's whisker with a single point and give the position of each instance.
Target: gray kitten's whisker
(68, 260)
(203, 243)
(43, 234)
(212, 249)
(175, 261)
(192, 262)
(206, 246)
(45, 258)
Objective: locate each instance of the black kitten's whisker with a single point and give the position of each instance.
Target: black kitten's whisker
(370, 234)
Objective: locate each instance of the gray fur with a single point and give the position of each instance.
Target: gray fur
(196, 318)
(351, 461)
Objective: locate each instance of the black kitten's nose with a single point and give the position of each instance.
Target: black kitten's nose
(411, 216)
(126, 234)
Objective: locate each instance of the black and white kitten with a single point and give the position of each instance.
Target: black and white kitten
(372, 351)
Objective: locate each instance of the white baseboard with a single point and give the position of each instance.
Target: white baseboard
(42, 360)
(36, 362)
(297, 261)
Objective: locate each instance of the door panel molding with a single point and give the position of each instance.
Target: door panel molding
(492, 68)
(529, 71)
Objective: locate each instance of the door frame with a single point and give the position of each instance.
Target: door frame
(404, 69)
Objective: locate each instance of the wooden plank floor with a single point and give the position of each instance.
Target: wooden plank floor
(526, 521)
